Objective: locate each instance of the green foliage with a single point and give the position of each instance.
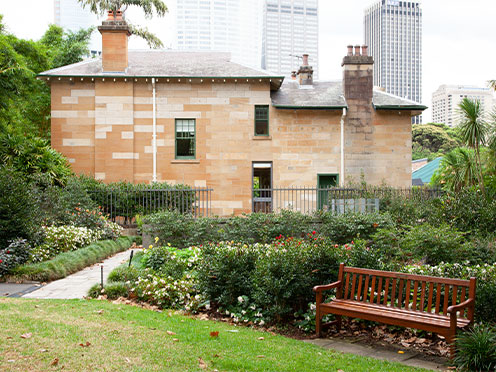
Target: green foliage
(476, 349)
(344, 228)
(20, 216)
(124, 274)
(17, 253)
(68, 263)
(433, 244)
(171, 261)
(458, 169)
(431, 140)
(115, 290)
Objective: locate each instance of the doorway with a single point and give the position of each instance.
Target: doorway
(262, 187)
(325, 181)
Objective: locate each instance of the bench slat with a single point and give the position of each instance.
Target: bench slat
(462, 298)
(400, 293)
(431, 294)
(366, 289)
(438, 297)
(446, 298)
(422, 297)
(372, 290)
(415, 293)
(359, 291)
(407, 297)
(379, 290)
(346, 288)
(455, 295)
(353, 282)
(393, 292)
(386, 291)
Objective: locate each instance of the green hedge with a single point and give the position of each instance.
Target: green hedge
(70, 262)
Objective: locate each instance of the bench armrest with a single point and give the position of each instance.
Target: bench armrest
(464, 304)
(321, 288)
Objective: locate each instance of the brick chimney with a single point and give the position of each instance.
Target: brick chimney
(305, 72)
(358, 78)
(115, 32)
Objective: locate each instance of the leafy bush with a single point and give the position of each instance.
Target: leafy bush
(433, 244)
(124, 274)
(20, 216)
(344, 228)
(171, 261)
(476, 349)
(115, 290)
(17, 253)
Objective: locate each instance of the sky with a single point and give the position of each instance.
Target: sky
(459, 43)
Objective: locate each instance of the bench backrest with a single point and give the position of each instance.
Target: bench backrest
(408, 291)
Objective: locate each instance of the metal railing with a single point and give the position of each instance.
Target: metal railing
(122, 204)
(338, 200)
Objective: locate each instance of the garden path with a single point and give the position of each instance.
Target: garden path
(77, 285)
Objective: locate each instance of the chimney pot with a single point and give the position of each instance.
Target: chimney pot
(350, 50)
(365, 51)
(293, 75)
(357, 50)
(305, 59)
(110, 15)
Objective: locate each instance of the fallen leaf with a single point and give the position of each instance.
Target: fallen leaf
(216, 356)
(26, 335)
(87, 344)
(233, 330)
(100, 311)
(43, 351)
(128, 360)
(9, 338)
(175, 339)
(260, 356)
(401, 352)
(340, 370)
(170, 333)
(261, 338)
(55, 362)
(202, 364)
(214, 334)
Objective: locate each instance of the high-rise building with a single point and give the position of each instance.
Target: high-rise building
(290, 29)
(70, 15)
(233, 26)
(393, 32)
(446, 98)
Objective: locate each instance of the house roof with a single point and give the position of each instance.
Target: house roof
(168, 64)
(425, 173)
(329, 95)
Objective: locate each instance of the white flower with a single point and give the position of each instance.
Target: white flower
(240, 299)
(262, 323)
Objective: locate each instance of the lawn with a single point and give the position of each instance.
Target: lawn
(126, 338)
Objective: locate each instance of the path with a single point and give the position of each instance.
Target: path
(409, 358)
(77, 285)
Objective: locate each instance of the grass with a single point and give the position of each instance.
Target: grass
(68, 263)
(127, 338)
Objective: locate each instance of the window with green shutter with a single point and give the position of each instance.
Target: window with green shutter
(261, 120)
(185, 138)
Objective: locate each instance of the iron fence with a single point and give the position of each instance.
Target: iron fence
(122, 204)
(338, 200)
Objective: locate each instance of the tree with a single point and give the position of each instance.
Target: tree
(149, 7)
(432, 140)
(474, 131)
(492, 84)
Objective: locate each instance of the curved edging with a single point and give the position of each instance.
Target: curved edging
(68, 263)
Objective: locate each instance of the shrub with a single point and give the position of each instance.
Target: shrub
(95, 291)
(20, 216)
(344, 228)
(17, 253)
(170, 261)
(115, 290)
(225, 270)
(476, 349)
(124, 274)
(433, 244)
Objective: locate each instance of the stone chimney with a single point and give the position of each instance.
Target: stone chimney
(305, 72)
(358, 78)
(115, 32)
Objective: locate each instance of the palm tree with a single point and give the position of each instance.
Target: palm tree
(492, 84)
(149, 8)
(457, 169)
(474, 130)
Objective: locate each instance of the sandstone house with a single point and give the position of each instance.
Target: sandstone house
(202, 120)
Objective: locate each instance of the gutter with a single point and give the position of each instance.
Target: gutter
(154, 134)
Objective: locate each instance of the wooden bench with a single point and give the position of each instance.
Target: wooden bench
(438, 305)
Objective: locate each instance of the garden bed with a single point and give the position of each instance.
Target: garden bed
(70, 262)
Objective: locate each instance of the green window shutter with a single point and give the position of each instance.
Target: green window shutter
(261, 120)
(185, 138)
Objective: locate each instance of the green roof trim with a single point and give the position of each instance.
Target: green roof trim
(400, 107)
(302, 107)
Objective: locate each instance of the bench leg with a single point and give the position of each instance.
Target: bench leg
(318, 322)
(339, 321)
(450, 340)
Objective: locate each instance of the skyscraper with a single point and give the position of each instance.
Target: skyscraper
(446, 98)
(234, 26)
(290, 29)
(70, 15)
(393, 32)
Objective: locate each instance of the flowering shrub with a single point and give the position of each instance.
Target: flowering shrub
(94, 219)
(60, 239)
(171, 261)
(244, 312)
(14, 255)
(168, 292)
